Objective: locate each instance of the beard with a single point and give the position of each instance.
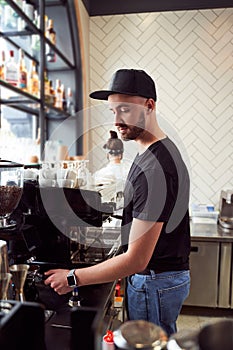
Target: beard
(133, 132)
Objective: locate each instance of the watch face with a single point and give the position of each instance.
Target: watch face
(71, 281)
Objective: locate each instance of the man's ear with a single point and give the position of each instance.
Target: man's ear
(150, 105)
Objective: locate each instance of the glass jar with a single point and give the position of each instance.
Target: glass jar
(11, 189)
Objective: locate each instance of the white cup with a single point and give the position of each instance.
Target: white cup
(47, 182)
(65, 183)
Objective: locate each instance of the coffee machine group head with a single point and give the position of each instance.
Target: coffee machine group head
(226, 209)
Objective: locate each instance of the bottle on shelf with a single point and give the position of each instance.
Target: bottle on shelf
(52, 93)
(38, 136)
(46, 88)
(46, 23)
(28, 9)
(8, 17)
(11, 70)
(35, 38)
(35, 19)
(35, 45)
(70, 102)
(64, 101)
(33, 85)
(58, 94)
(2, 66)
(22, 73)
(20, 21)
(2, 11)
(51, 35)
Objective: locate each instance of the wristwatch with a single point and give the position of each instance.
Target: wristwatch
(72, 279)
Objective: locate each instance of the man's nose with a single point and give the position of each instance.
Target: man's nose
(117, 119)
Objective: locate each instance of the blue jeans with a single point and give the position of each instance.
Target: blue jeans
(158, 298)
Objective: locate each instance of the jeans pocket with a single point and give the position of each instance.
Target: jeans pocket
(137, 283)
(171, 300)
(136, 298)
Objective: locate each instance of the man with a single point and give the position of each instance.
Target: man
(155, 225)
(110, 179)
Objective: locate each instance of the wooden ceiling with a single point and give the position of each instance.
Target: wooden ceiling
(112, 7)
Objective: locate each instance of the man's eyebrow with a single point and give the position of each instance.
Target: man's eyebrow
(123, 104)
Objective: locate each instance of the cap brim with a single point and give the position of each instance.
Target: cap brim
(103, 94)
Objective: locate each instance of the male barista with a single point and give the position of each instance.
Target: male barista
(155, 225)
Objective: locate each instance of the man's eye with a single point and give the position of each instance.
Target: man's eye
(125, 109)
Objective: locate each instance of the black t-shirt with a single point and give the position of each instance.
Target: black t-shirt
(157, 189)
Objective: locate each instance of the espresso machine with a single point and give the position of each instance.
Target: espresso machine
(226, 209)
(48, 226)
(53, 227)
(60, 223)
(61, 226)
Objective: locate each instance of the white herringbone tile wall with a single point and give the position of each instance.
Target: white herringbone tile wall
(190, 56)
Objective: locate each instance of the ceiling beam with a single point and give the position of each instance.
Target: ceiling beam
(113, 7)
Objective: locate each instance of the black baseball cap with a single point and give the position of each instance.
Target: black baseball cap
(132, 82)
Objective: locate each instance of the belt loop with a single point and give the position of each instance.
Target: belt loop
(152, 273)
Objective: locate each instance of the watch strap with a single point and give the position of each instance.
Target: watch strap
(72, 279)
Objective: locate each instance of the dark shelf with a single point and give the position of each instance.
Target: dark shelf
(24, 101)
(64, 68)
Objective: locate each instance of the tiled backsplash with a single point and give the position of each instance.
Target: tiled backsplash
(190, 56)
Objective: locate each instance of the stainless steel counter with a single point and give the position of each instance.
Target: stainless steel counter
(211, 266)
(210, 232)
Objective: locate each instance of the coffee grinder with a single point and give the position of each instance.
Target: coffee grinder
(11, 189)
(226, 209)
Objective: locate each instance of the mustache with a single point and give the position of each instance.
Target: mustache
(121, 125)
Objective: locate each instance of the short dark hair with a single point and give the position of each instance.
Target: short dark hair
(114, 145)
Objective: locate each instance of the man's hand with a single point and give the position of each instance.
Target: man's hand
(57, 279)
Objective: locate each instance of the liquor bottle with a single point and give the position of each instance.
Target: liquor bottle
(35, 19)
(58, 95)
(46, 88)
(46, 19)
(22, 73)
(2, 66)
(64, 101)
(33, 81)
(70, 102)
(52, 93)
(35, 38)
(2, 14)
(11, 70)
(20, 21)
(8, 17)
(51, 35)
(28, 9)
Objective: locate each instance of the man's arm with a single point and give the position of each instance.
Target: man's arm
(142, 240)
